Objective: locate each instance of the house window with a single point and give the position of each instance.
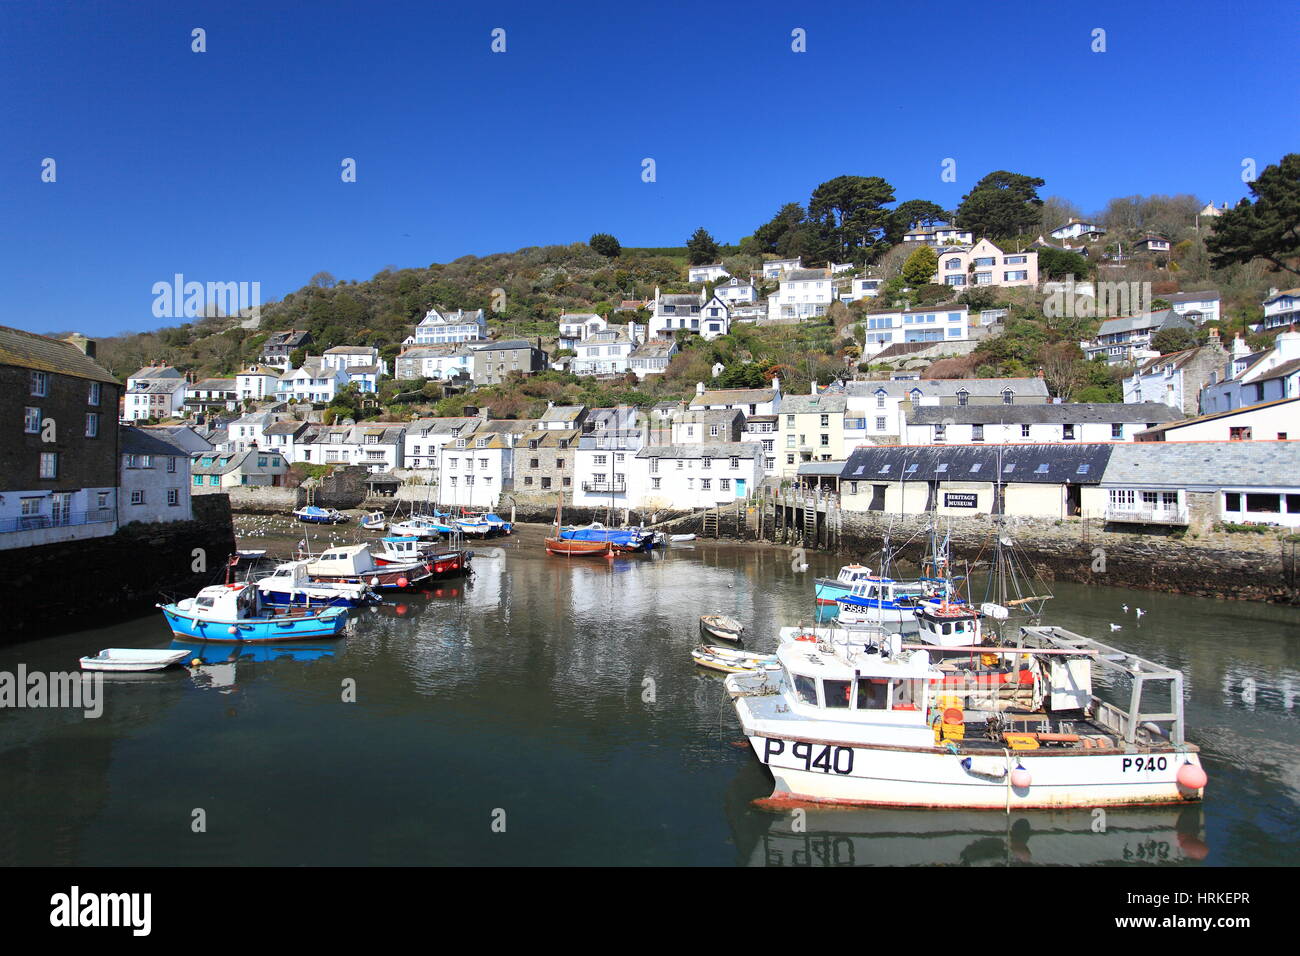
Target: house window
(789, 459)
(171, 466)
(940, 432)
(50, 464)
(977, 433)
(724, 484)
(173, 497)
(137, 497)
(198, 479)
(654, 482)
(706, 462)
(546, 483)
(705, 484)
(40, 382)
(532, 462)
(528, 479)
(214, 480)
(1024, 431)
(31, 420)
(1239, 433)
(1117, 431)
(1067, 433)
(1007, 396)
(826, 441)
(880, 424)
(963, 397)
(735, 462)
(101, 499)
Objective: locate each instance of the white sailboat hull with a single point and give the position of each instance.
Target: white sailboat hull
(825, 772)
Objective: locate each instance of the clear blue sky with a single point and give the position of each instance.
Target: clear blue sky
(224, 165)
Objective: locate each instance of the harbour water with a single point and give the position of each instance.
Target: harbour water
(546, 711)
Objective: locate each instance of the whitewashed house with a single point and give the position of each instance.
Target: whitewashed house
(652, 358)
(736, 292)
(473, 469)
(1281, 308)
(425, 438)
(156, 391)
(1275, 420)
(605, 352)
(776, 268)
(946, 323)
(257, 382)
(364, 377)
(803, 294)
(1197, 307)
(439, 328)
(1083, 422)
(862, 287)
(939, 234)
(1248, 378)
(154, 479)
(605, 455)
(883, 404)
(709, 317)
(709, 273)
(352, 356)
(314, 382)
(694, 476)
(576, 326)
(1078, 229)
(435, 361)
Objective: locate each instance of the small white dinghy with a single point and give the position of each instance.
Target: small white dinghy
(132, 659)
(722, 627)
(681, 537)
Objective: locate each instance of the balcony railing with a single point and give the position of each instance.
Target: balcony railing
(35, 522)
(1148, 516)
(604, 486)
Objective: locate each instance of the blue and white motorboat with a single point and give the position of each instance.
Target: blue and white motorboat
(881, 600)
(499, 524)
(829, 590)
(236, 612)
(314, 515)
(289, 586)
(474, 525)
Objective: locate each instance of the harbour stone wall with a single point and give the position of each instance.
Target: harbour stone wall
(60, 587)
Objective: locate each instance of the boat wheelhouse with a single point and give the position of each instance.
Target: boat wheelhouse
(355, 564)
(236, 612)
(829, 589)
(410, 549)
(883, 600)
(846, 722)
(289, 585)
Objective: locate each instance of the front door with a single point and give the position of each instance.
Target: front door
(61, 508)
(740, 487)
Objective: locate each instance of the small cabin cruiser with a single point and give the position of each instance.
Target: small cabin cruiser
(355, 564)
(828, 590)
(409, 549)
(374, 521)
(875, 723)
(883, 601)
(419, 526)
(236, 612)
(289, 585)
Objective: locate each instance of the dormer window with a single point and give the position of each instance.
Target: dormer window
(963, 397)
(481, 443)
(1008, 396)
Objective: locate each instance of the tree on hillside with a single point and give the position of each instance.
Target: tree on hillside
(701, 249)
(322, 280)
(920, 267)
(1001, 204)
(605, 244)
(1059, 263)
(743, 375)
(774, 236)
(1268, 228)
(297, 357)
(850, 210)
(1063, 368)
(1173, 340)
(1056, 212)
(919, 212)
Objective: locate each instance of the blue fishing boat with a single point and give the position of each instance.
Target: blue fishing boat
(289, 586)
(236, 612)
(499, 524)
(881, 600)
(623, 539)
(313, 515)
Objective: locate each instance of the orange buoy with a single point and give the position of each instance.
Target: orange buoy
(1021, 778)
(952, 716)
(1191, 776)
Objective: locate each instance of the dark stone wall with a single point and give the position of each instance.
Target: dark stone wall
(83, 462)
(55, 588)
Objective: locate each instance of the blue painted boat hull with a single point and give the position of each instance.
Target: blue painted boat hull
(329, 623)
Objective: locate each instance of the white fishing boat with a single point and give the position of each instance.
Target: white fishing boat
(374, 521)
(132, 659)
(844, 722)
(289, 586)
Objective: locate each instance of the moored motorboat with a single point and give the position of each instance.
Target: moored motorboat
(314, 515)
(858, 723)
(236, 612)
(354, 563)
(722, 627)
(289, 585)
(408, 549)
(828, 590)
(579, 549)
(374, 521)
(131, 659)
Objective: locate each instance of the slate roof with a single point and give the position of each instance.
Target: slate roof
(44, 354)
(562, 413)
(157, 371)
(1067, 413)
(655, 349)
(1279, 371)
(350, 350)
(442, 426)
(501, 346)
(707, 416)
(291, 339)
(1204, 465)
(734, 396)
(1177, 359)
(1161, 319)
(133, 441)
(824, 469)
(710, 450)
(949, 387)
(812, 404)
(284, 428)
(1054, 464)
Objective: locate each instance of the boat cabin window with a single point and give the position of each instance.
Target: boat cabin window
(806, 688)
(836, 692)
(873, 693)
(203, 602)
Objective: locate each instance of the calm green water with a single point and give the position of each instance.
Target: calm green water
(522, 690)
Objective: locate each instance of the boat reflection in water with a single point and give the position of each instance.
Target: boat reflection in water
(1157, 836)
(218, 661)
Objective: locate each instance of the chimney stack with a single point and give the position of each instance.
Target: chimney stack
(812, 390)
(699, 388)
